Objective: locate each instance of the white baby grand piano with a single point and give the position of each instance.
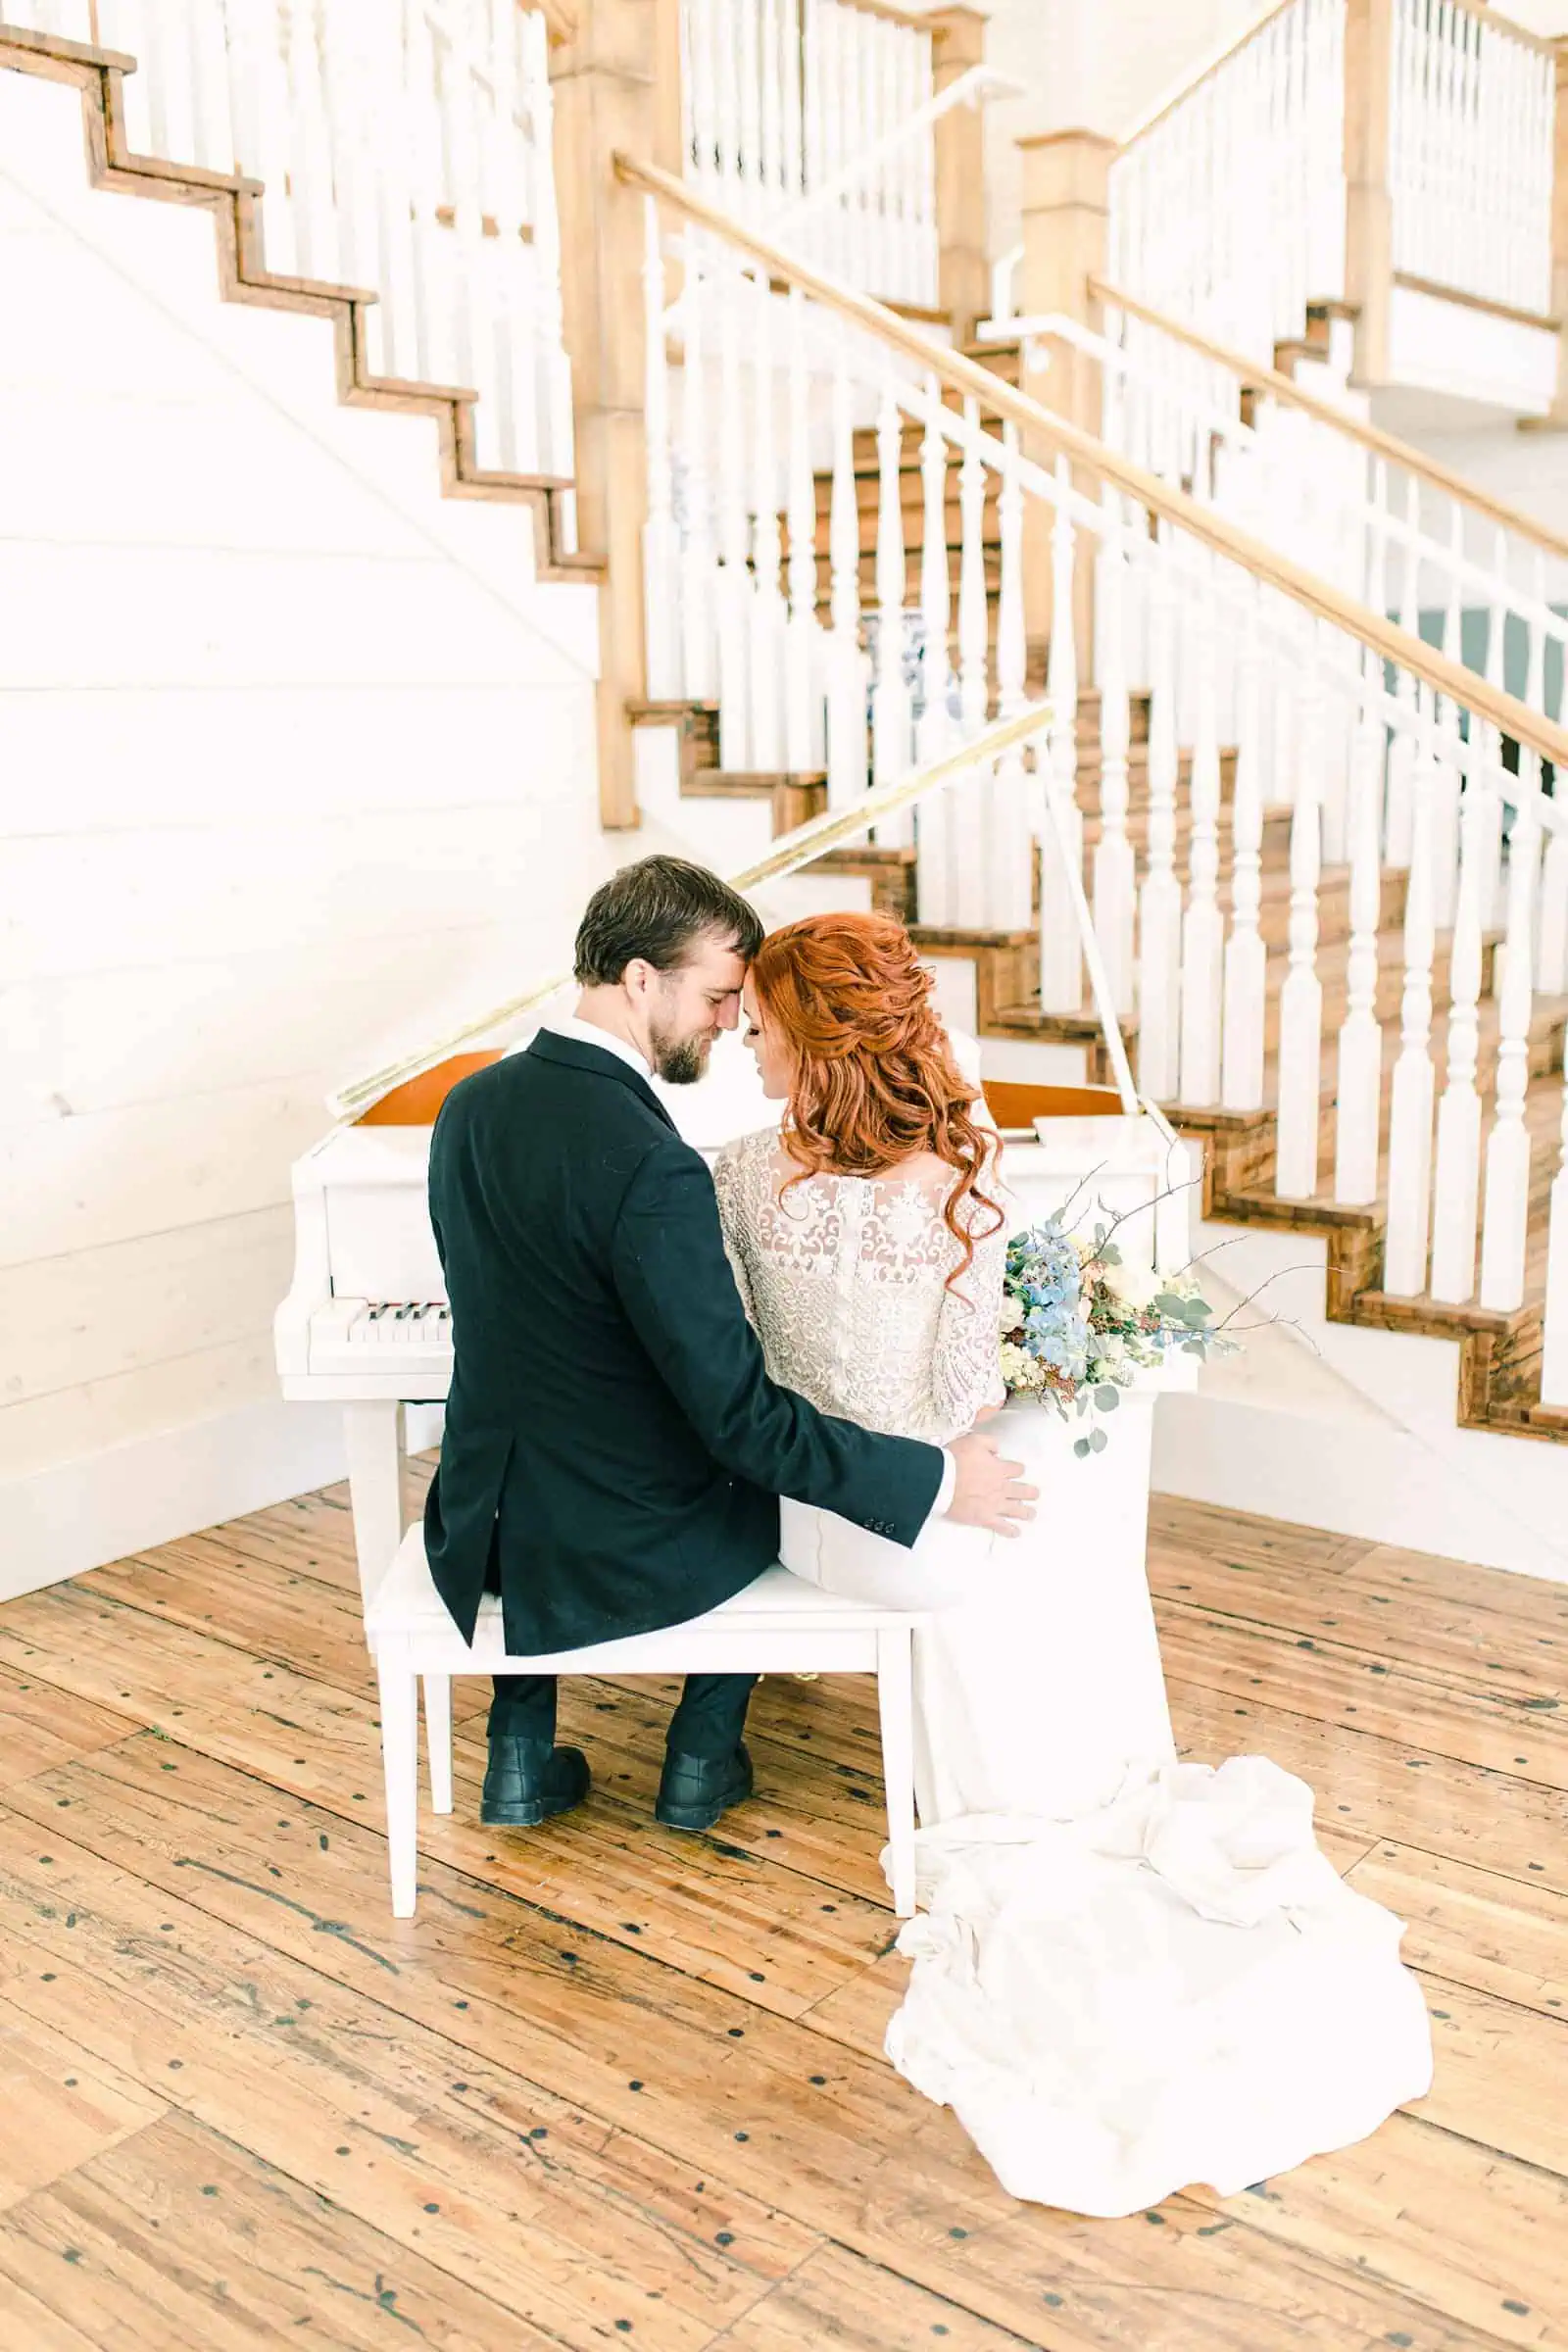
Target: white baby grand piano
(366, 1324)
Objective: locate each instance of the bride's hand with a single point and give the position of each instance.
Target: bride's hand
(988, 1491)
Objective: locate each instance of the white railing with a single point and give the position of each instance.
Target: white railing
(1470, 153)
(1486, 585)
(1296, 786)
(1228, 207)
(404, 149)
(815, 118)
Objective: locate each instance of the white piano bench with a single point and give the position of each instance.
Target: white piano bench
(778, 1625)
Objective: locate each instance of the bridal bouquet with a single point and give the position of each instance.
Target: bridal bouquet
(1078, 1322)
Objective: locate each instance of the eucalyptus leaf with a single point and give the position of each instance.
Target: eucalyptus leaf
(1097, 1440)
(1195, 1348)
(1080, 1447)
(1166, 1302)
(1108, 1397)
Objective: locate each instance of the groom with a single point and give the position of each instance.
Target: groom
(614, 1450)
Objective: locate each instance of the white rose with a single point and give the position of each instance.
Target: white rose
(1137, 1287)
(1010, 1316)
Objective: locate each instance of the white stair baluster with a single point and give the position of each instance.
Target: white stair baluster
(734, 581)
(697, 573)
(891, 736)
(1404, 1271)
(1456, 1177)
(1062, 968)
(551, 408)
(1114, 875)
(1447, 790)
(767, 608)
(1009, 845)
(936, 817)
(847, 745)
(970, 830)
(1159, 903)
(1301, 1063)
(801, 723)
(745, 34)
(258, 83)
(1508, 1199)
(1555, 1355)
(661, 603)
(310, 151)
(163, 81)
(1359, 1091)
(1403, 749)
(1246, 955)
(1551, 957)
(1203, 925)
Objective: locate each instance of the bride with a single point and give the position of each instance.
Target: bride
(1132, 1974)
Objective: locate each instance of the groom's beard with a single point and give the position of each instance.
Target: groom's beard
(681, 1062)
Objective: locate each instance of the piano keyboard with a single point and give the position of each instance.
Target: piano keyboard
(352, 1335)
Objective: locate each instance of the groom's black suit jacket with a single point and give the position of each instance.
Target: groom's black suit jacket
(611, 1430)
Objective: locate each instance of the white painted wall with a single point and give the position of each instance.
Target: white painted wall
(1094, 64)
(295, 756)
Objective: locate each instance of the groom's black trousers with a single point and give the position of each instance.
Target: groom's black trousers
(708, 1721)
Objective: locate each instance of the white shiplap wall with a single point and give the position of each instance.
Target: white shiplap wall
(294, 757)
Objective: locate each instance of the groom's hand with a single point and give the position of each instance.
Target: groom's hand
(988, 1491)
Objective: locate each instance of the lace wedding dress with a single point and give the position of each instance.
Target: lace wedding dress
(1130, 1974)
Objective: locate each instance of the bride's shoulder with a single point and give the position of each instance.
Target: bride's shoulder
(745, 1151)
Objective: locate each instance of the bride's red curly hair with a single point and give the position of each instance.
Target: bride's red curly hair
(874, 1080)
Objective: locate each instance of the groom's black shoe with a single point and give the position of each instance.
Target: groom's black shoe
(527, 1781)
(694, 1791)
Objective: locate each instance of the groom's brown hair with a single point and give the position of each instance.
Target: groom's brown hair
(655, 910)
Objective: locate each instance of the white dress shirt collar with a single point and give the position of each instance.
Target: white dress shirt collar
(586, 1033)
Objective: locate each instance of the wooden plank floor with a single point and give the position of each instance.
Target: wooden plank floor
(613, 2086)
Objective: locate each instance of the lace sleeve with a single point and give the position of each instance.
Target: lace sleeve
(729, 1183)
(965, 1373)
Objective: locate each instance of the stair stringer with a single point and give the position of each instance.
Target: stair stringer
(1350, 1427)
(231, 202)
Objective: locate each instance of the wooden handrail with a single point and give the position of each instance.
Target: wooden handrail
(1317, 596)
(788, 854)
(1200, 74)
(1279, 386)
